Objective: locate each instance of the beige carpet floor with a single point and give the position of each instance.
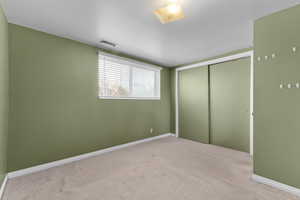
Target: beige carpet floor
(166, 169)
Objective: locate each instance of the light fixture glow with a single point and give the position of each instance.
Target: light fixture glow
(172, 11)
(172, 1)
(174, 8)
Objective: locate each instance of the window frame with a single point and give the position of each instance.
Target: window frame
(131, 63)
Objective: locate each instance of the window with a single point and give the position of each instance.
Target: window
(121, 78)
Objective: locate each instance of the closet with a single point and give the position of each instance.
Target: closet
(194, 104)
(214, 104)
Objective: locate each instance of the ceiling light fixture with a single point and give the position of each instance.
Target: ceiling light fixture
(172, 11)
(174, 8)
(173, 1)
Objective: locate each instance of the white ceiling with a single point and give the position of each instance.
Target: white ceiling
(211, 27)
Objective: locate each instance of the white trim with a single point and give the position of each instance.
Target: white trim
(252, 105)
(3, 186)
(46, 166)
(130, 98)
(176, 104)
(216, 61)
(276, 184)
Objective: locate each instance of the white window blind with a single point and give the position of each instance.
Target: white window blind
(121, 78)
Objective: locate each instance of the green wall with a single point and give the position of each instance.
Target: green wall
(4, 96)
(55, 112)
(277, 111)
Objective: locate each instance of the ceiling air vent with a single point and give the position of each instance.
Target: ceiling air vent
(107, 43)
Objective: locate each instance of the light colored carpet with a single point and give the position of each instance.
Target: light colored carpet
(166, 169)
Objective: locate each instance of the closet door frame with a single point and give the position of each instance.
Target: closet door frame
(212, 62)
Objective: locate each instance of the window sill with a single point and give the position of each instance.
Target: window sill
(129, 98)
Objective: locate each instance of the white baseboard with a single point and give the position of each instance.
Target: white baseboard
(276, 184)
(3, 186)
(42, 167)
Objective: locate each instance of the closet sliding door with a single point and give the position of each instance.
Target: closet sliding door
(194, 104)
(230, 104)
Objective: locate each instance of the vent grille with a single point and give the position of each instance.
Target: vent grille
(107, 43)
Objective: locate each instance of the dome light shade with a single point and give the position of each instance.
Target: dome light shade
(174, 9)
(169, 13)
(173, 1)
